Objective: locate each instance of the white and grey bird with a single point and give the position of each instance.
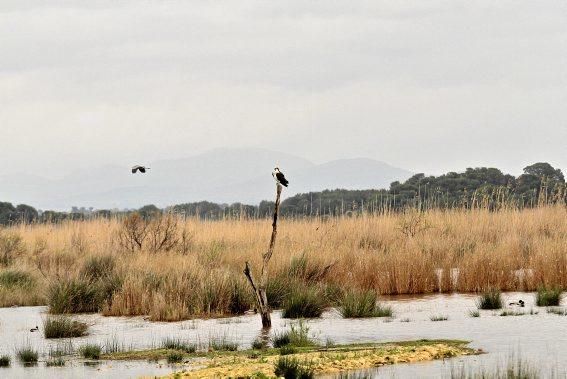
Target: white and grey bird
(279, 177)
(137, 168)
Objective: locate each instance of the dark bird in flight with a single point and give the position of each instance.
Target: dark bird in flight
(279, 177)
(142, 169)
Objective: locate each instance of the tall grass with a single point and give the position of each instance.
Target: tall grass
(74, 296)
(459, 251)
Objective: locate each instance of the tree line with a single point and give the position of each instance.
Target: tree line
(483, 187)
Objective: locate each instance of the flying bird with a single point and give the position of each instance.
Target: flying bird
(279, 177)
(142, 169)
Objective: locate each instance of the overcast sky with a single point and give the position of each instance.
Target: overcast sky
(425, 85)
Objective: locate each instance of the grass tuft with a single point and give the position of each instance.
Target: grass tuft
(178, 344)
(222, 343)
(63, 327)
(439, 318)
(474, 313)
(259, 344)
(304, 302)
(557, 311)
(5, 360)
(287, 350)
(27, 355)
(175, 357)
(291, 368)
(90, 351)
(55, 362)
(297, 336)
(548, 297)
(359, 304)
(490, 299)
(16, 278)
(507, 312)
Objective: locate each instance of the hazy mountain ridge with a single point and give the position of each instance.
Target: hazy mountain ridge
(221, 175)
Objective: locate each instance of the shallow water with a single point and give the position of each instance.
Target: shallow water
(540, 338)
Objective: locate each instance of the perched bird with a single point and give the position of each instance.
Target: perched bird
(142, 169)
(279, 177)
(520, 303)
(34, 329)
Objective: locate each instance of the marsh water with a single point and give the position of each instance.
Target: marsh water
(539, 338)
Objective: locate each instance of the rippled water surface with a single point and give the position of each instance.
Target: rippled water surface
(540, 338)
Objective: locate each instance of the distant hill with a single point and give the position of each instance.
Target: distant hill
(222, 175)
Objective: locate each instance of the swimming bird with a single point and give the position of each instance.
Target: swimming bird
(34, 329)
(279, 177)
(520, 303)
(142, 169)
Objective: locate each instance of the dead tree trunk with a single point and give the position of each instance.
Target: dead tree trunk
(260, 289)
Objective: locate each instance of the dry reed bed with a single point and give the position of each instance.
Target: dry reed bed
(392, 253)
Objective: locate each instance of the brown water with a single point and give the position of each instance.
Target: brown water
(540, 338)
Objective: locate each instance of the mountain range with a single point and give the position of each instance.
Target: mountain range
(221, 175)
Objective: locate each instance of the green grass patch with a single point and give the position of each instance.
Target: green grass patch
(361, 304)
(63, 327)
(474, 313)
(490, 299)
(546, 297)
